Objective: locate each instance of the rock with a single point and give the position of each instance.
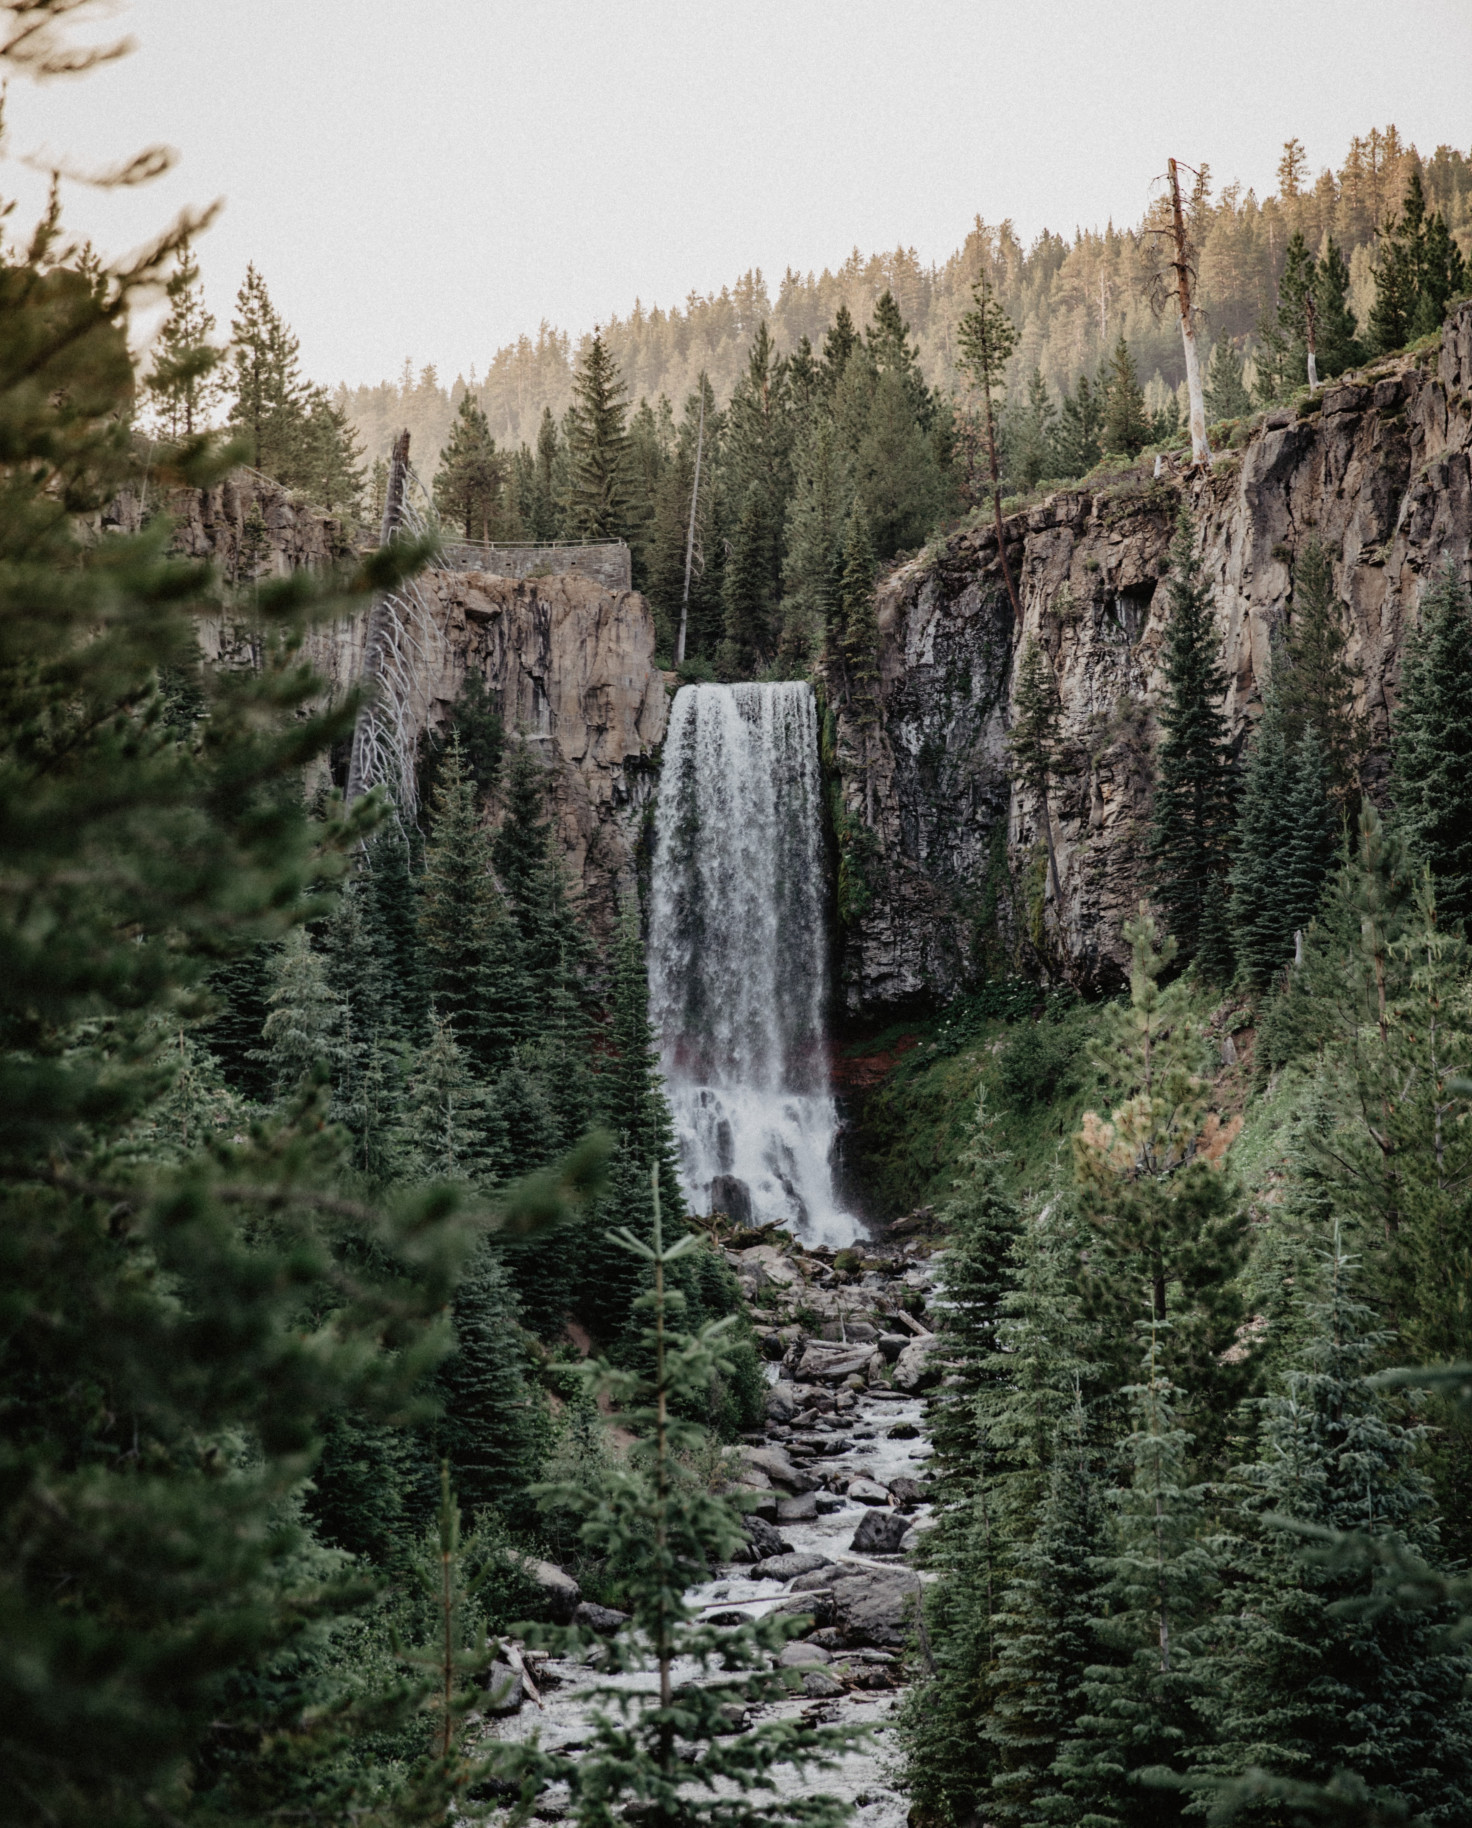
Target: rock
(919, 1366)
(774, 1463)
(782, 1402)
(902, 1431)
(803, 1509)
(892, 1344)
(734, 1718)
(787, 1567)
(560, 1591)
(731, 1195)
(773, 1269)
(850, 1332)
(803, 1652)
(605, 1620)
(880, 1533)
(906, 1492)
(764, 1539)
(815, 1607)
(818, 1685)
(729, 1615)
(505, 1691)
(827, 1503)
(829, 1637)
(867, 1491)
(772, 1344)
(875, 1605)
(826, 1363)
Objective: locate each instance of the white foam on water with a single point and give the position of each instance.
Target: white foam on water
(738, 956)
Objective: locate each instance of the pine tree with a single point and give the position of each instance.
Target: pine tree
(814, 537)
(304, 1031)
(471, 961)
(1169, 1229)
(1191, 825)
(1297, 314)
(1030, 435)
(986, 338)
(495, 1428)
(451, 1131)
(184, 387)
(1226, 391)
(1080, 426)
(1047, 1644)
(1126, 428)
(599, 446)
(1149, 1706)
(860, 616)
(1313, 1681)
(631, 1094)
(748, 600)
(239, 987)
(269, 405)
(1432, 780)
(1336, 327)
(1319, 685)
(470, 484)
(665, 1752)
(1443, 275)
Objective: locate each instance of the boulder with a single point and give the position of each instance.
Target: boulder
(903, 1431)
(849, 1332)
(919, 1366)
(880, 1533)
(867, 1491)
(803, 1509)
(788, 1567)
(731, 1195)
(802, 1653)
(818, 1685)
(874, 1605)
(765, 1540)
(892, 1344)
(827, 1503)
(781, 1402)
(560, 1591)
(774, 1463)
(773, 1270)
(605, 1620)
(907, 1492)
(831, 1364)
(815, 1607)
(506, 1691)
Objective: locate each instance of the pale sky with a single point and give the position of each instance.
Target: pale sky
(430, 178)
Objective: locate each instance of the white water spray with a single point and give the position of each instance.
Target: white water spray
(737, 957)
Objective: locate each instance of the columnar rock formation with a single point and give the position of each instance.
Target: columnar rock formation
(940, 849)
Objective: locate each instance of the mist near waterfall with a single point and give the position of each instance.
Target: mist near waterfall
(738, 956)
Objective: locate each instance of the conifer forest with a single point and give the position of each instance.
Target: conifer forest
(736, 1067)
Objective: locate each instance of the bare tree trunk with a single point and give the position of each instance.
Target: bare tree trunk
(991, 448)
(1200, 449)
(1310, 328)
(1052, 856)
(690, 535)
(393, 514)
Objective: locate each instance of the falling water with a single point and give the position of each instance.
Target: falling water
(737, 956)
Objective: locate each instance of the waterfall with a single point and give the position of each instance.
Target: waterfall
(737, 956)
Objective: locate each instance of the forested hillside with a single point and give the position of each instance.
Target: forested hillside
(1070, 294)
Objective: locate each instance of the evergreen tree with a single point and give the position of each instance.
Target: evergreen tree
(986, 338)
(269, 408)
(815, 519)
(748, 599)
(239, 987)
(1432, 779)
(1031, 432)
(184, 387)
(896, 478)
(1226, 391)
(472, 962)
(176, 1336)
(495, 1429)
(1315, 1682)
(470, 484)
(839, 343)
(1077, 445)
(1125, 428)
(1149, 1706)
(394, 964)
(1319, 684)
(1284, 843)
(1443, 275)
(1169, 1230)
(599, 446)
(450, 1130)
(1191, 825)
(860, 617)
(303, 1033)
(631, 1093)
(1336, 327)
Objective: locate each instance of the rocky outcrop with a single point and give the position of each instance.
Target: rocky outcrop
(571, 666)
(940, 850)
(247, 526)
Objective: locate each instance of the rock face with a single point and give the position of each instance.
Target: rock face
(939, 850)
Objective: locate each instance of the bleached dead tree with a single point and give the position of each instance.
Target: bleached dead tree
(1181, 266)
(690, 535)
(385, 736)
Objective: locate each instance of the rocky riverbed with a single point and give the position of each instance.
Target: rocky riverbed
(839, 1483)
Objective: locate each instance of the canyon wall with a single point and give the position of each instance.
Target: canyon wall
(940, 852)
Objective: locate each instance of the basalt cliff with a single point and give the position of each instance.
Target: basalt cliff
(940, 859)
